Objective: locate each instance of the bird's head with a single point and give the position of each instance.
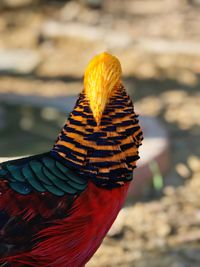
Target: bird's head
(102, 135)
(101, 79)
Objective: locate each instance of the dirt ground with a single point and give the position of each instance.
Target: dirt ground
(158, 44)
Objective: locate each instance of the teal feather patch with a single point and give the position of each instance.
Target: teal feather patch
(59, 183)
(36, 167)
(54, 190)
(21, 188)
(70, 174)
(16, 172)
(3, 173)
(76, 185)
(31, 178)
(42, 173)
(49, 162)
(74, 177)
(53, 168)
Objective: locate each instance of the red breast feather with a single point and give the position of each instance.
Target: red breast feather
(72, 241)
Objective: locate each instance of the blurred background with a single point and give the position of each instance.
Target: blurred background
(44, 48)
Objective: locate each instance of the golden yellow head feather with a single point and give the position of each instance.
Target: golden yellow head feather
(101, 78)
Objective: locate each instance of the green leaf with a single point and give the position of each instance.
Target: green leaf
(157, 176)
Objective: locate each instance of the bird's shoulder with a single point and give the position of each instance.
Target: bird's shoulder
(41, 173)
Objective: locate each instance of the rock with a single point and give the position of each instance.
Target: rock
(110, 39)
(178, 106)
(70, 11)
(18, 61)
(183, 170)
(192, 236)
(150, 105)
(162, 46)
(163, 230)
(117, 40)
(141, 7)
(169, 191)
(194, 163)
(55, 29)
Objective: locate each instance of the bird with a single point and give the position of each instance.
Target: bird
(57, 207)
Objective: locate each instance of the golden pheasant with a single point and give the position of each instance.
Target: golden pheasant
(56, 207)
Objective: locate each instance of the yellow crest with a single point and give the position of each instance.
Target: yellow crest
(101, 78)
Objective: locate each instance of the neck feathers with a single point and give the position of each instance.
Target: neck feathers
(106, 153)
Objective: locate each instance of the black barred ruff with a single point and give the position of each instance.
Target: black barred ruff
(107, 153)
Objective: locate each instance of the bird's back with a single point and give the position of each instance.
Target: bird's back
(56, 208)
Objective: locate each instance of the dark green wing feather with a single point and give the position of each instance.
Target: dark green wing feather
(41, 173)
